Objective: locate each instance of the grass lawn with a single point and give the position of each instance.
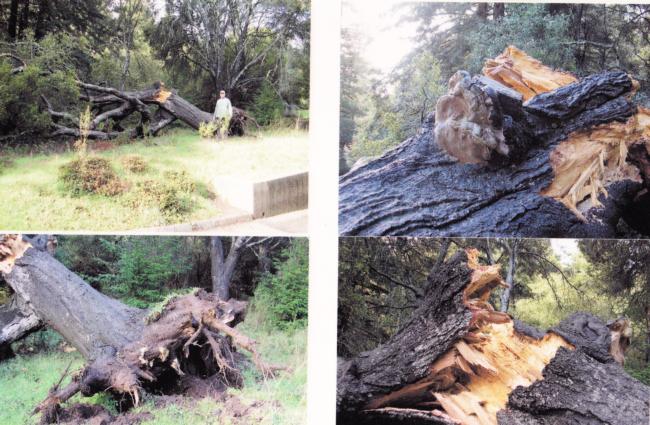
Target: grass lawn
(34, 199)
(25, 380)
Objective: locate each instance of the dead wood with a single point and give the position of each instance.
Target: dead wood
(128, 350)
(111, 107)
(490, 163)
(457, 361)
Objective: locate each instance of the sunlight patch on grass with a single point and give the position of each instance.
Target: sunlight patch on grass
(34, 199)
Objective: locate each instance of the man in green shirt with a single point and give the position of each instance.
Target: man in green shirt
(222, 115)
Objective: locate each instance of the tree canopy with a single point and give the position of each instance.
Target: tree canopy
(193, 47)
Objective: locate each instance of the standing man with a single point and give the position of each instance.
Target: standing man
(222, 115)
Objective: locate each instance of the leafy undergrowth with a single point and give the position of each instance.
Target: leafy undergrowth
(31, 192)
(25, 380)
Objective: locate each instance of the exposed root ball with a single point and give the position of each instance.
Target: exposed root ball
(191, 339)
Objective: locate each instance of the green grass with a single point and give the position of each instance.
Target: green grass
(33, 198)
(24, 382)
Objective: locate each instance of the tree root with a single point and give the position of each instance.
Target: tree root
(193, 335)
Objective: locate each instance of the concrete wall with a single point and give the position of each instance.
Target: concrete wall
(281, 195)
(266, 198)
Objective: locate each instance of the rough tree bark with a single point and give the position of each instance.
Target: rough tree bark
(223, 265)
(16, 322)
(128, 350)
(459, 361)
(112, 106)
(489, 164)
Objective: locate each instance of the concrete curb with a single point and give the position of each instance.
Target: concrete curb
(198, 226)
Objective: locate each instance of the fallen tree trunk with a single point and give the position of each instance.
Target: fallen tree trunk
(111, 106)
(457, 361)
(489, 164)
(16, 322)
(128, 350)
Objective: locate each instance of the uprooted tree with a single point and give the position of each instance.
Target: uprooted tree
(521, 150)
(458, 361)
(128, 350)
(111, 107)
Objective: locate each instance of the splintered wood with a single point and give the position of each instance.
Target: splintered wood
(162, 95)
(12, 247)
(588, 161)
(515, 69)
(471, 382)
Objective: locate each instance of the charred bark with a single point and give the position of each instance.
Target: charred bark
(128, 350)
(489, 164)
(448, 364)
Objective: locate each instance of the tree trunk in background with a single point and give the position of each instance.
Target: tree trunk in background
(499, 11)
(511, 246)
(440, 367)
(43, 11)
(482, 10)
(647, 335)
(223, 266)
(24, 19)
(12, 23)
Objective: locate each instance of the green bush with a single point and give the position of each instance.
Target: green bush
(134, 163)
(5, 295)
(207, 129)
(90, 175)
(144, 266)
(46, 340)
(21, 107)
(172, 195)
(268, 106)
(284, 294)
(642, 375)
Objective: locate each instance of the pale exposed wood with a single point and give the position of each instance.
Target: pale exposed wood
(515, 69)
(12, 247)
(588, 161)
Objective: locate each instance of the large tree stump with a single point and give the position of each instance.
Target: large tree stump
(489, 164)
(128, 350)
(459, 361)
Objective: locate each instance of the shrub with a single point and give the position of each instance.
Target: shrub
(207, 129)
(642, 375)
(46, 340)
(90, 175)
(268, 106)
(144, 266)
(134, 163)
(284, 294)
(172, 196)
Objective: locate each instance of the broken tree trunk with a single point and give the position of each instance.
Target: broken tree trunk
(16, 322)
(128, 350)
(457, 361)
(489, 164)
(111, 106)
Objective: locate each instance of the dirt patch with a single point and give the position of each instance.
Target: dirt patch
(243, 413)
(102, 146)
(195, 387)
(94, 414)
